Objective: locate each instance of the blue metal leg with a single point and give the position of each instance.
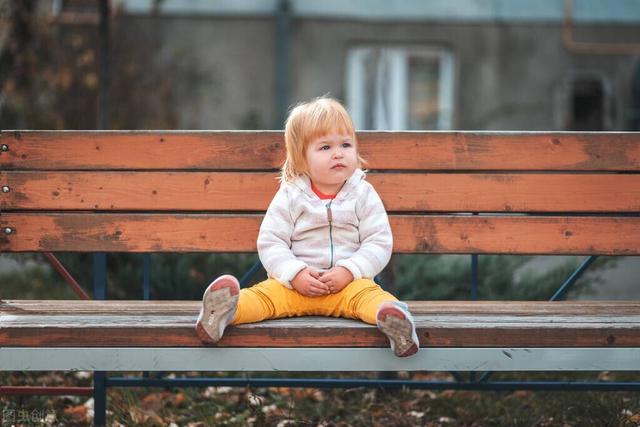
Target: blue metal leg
(146, 277)
(560, 293)
(457, 376)
(474, 277)
(100, 398)
(99, 276)
(245, 279)
(99, 377)
(485, 377)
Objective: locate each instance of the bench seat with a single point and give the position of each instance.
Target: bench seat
(118, 335)
(58, 323)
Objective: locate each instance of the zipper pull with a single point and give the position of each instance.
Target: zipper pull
(329, 213)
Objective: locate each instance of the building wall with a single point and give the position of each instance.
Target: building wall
(507, 77)
(223, 69)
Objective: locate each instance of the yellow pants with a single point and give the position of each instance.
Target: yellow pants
(360, 299)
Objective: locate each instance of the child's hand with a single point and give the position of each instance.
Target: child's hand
(306, 282)
(336, 279)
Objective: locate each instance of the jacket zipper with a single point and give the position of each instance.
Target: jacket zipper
(330, 219)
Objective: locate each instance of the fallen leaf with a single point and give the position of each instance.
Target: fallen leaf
(254, 399)
(154, 401)
(77, 413)
(519, 394)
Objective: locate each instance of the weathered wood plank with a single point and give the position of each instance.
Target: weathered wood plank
(455, 234)
(228, 191)
(535, 235)
(523, 309)
(333, 335)
(88, 150)
(439, 323)
(155, 191)
(440, 331)
(161, 319)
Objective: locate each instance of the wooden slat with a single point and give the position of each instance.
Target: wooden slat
(611, 325)
(524, 309)
(182, 191)
(509, 234)
(228, 191)
(88, 150)
(130, 233)
(517, 235)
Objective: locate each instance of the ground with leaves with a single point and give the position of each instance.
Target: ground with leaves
(195, 407)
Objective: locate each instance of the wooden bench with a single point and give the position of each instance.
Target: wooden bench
(446, 193)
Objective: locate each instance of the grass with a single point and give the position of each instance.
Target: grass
(240, 406)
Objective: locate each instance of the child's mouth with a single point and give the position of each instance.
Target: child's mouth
(339, 166)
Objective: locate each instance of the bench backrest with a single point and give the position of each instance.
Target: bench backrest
(446, 192)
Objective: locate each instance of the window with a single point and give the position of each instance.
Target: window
(400, 88)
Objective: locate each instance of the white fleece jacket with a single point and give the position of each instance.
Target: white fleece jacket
(300, 230)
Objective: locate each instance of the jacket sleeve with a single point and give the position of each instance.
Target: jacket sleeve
(274, 240)
(376, 240)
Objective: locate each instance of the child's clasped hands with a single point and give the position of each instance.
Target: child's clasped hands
(313, 283)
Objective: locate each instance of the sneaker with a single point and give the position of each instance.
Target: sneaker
(395, 321)
(219, 303)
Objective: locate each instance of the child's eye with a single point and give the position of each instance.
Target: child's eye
(346, 144)
(324, 147)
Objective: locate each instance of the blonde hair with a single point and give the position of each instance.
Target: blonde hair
(310, 120)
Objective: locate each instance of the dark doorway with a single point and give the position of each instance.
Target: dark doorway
(587, 105)
(634, 110)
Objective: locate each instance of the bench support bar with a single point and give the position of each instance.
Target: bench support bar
(317, 359)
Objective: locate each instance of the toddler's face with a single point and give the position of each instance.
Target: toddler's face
(332, 159)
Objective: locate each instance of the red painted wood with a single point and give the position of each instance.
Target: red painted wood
(249, 191)
(90, 232)
(90, 150)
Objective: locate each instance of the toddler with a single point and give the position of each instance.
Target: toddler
(324, 237)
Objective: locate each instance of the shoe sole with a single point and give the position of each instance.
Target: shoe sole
(218, 300)
(398, 329)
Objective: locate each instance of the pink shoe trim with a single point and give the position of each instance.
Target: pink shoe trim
(390, 310)
(226, 281)
(403, 334)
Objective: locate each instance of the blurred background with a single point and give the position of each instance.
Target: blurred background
(518, 65)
